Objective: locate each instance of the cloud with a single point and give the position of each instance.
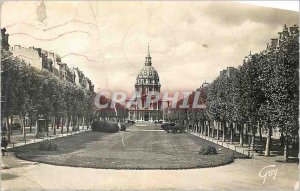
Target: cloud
(230, 13)
(190, 41)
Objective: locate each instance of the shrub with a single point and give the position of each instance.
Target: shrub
(104, 126)
(97, 125)
(123, 127)
(208, 150)
(48, 145)
(112, 127)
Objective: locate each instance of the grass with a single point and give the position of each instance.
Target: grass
(129, 150)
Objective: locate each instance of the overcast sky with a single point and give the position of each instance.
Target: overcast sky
(190, 42)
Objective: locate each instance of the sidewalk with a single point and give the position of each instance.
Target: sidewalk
(235, 147)
(245, 149)
(243, 174)
(17, 138)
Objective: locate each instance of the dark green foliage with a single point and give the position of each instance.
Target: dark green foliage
(104, 126)
(263, 92)
(208, 150)
(123, 127)
(38, 93)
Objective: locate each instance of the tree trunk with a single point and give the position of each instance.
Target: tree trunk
(68, 124)
(268, 143)
(218, 127)
(204, 125)
(286, 149)
(11, 124)
(253, 131)
(47, 126)
(231, 133)
(223, 123)
(246, 133)
(62, 126)
(86, 121)
(241, 134)
(235, 129)
(30, 124)
(8, 125)
(213, 129)
(78, 121)
(74, 123)
(208, 128)
(260, 133)
(57, 122)
(82, 122)
(37, 125)
(52, 123)
(24, 128)
(281, 138)
(54, 120)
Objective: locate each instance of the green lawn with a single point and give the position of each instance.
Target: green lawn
(129, 150)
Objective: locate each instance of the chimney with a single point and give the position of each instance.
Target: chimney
(229, 71)
(294, 30)
(273, 42)
(223, 73)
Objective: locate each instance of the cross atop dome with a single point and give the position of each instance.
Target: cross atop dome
(148, 57)
(148, 49)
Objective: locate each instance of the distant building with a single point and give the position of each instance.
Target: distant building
(147, 83)
(205, 84)
(38, 58)
(227, 72)
(81, 80)
(285, 33)
(65, 73)
(4, 39)
(51, 62)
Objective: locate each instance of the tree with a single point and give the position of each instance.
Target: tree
(286, 93)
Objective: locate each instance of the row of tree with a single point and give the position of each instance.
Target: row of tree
(262, 93)
(114, 112)
(42, 97)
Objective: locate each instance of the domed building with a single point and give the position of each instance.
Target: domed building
(147, 83)
(147, 79)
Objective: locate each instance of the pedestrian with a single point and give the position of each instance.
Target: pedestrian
(4, 144)
(4, 126)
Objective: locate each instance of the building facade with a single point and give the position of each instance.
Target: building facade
(81, 80)
(4, 39)
(147, 84)
(51, 62)
(285, 33)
